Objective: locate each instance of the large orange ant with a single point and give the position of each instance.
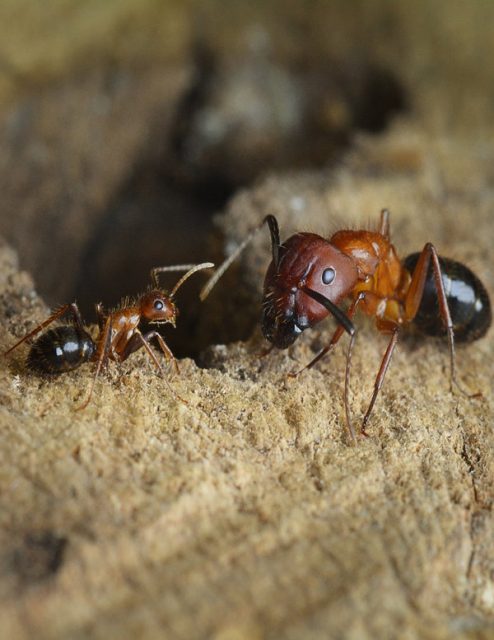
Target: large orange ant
(66, 347)
(309, 276)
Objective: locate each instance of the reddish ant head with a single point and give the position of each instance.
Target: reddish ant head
(305, 262)
(157, 307)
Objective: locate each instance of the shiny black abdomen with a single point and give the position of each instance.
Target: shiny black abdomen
(468, 301)
(61, 349)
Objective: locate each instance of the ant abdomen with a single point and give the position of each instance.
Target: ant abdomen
(467, 298)
(61, 349)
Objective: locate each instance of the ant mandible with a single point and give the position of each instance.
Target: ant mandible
(309, 276)
(66, 347)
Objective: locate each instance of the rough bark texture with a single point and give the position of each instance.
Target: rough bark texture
(245, 514)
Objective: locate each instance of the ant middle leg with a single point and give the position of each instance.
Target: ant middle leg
(102, 354)
(392, 328)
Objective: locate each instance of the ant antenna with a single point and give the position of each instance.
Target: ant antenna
(339, 315)
(190, 268)
(275, 246)
(197, 267)
(275, 238)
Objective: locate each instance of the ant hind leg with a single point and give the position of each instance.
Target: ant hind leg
(71, 308)
(414, 298)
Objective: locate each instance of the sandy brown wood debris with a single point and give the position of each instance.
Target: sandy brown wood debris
(246, 514)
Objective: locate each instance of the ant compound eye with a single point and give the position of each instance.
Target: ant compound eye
(328, 275)
(158, 305)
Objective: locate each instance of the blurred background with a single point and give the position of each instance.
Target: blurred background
(125, 125)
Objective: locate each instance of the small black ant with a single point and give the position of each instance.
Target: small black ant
(309, 276)
(66, 347)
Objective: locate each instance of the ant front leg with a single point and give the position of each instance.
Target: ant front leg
(136, 342)
(414, 298)
(346, 324)
(71, 308)
(334, 340)
(144, 341)
(163, 346)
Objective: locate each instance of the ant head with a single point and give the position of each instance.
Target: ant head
(157, 307)
(305, 262)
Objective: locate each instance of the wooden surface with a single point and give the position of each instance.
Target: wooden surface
(246, 514)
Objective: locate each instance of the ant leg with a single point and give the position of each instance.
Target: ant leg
(105, 341)
(145, 343)
(265, 352)
(384, 223)
(345, 322)
(334, 340)
(347, 388)
(336, 336)
(100, 314)
(135, 343)
(76, 316)
(353, 335)
(275, 246)
(164, 347)
(71, 308)
(414, 297)
(380, 375)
